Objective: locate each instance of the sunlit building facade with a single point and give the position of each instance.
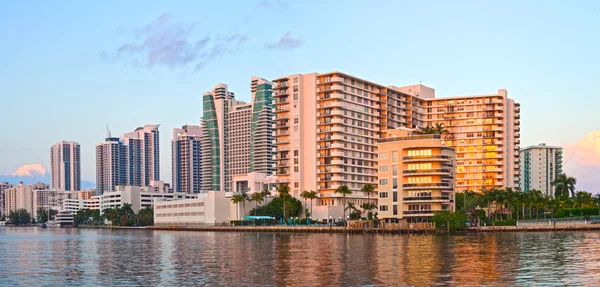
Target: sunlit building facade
(65, 166)
(540, 165)
(416, 176)
(187, 159)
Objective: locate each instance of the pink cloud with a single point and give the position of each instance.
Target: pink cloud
(586, 151)
(30, 170)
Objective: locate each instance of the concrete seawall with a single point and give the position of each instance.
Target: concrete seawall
(557, 227)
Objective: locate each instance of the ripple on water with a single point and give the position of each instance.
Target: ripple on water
(98, 257)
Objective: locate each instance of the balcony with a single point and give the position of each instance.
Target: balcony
(425, 171)
(425, 198)
(419, 212)
(433, 157)
(425, 185)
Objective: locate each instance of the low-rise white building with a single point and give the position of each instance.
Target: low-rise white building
(138, 197)
(208, 208)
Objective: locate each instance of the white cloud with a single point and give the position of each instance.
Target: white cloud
(30, 170)
(586, 151)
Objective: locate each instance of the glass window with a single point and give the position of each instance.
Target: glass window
(395, 183)
(383, 208)
(383, 155)
(395, 196)
(383, 182)
(395, 170)
(395, 156)
(395, 210)
(383, 168)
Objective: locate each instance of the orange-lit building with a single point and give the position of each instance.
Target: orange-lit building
(416, 176)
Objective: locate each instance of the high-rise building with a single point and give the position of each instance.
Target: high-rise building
(416, 176)
(142, 155)
(22, 197)
(540, 165)
(3, 186)
(345, 116)
(187, 159)
(484, 129)
(111, 164)
(237, 137)
(65, 171)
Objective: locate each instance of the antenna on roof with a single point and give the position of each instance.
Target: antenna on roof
(107, 132)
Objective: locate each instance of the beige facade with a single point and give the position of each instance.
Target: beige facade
(209, 208)
(416, 176)
(485, 130)
(28, 197)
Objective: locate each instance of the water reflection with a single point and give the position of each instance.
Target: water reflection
(74, 257)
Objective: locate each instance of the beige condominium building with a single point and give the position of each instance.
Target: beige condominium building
(327, 131)
(484, 129)
(416, 176)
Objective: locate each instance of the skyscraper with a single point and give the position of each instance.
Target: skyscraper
(540, 165)
(142, 155)
(187, 159)
(65, 171)
(237, 137)
(111, 164)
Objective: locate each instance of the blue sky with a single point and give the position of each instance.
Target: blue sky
(69, 68)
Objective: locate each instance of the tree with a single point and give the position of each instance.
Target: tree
(275, 207)
(367, 208)
(343, 190)
(565, 185)
(257, 197)
(19, 216)
(284, 192)
(354, 212)
(305, 195)
(312, 195)
(438, 128)
(368, 189)
(582, 199)
(237, 199)
(265, 193)
(41, 214)
(455, 219)
(146, 216)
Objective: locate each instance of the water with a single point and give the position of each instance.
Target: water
(98, 257)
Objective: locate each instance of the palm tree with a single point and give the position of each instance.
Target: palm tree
(305, 195)
(284, 191)
(237, 199)
(368, 189)
(265, 193)
(438, 128)
(565, 185)
(343, 190)
(312, 195)
(582, 199)
(257, 197)
(244, 198)
(351, 207)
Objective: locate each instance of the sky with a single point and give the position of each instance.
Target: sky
(70, 68)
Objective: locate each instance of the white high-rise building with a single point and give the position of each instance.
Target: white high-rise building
(3, 186)
(110, 165)
(28, 197)
(187, 159)
(142, 155)
(65, 166)
(541, 164)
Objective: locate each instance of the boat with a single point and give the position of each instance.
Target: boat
(44, 226)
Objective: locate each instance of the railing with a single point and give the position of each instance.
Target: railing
(409, 171)
(417, 198)
(419, 137)
(442, 184)
(433, 156)
(420, 211)
(559, 221)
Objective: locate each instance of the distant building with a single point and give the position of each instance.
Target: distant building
(416, 176)
(541, 164)
(187, 159)
(65, 166)
(142, 155)
(237, 137)
(3, 186)
(28, 197)
(111, 165)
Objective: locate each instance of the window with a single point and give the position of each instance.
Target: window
(383, 168)
(295, 152)
(383, 195)
(383, 208)
(383, 155)
(295, 160)
(395, 196)
(295, 120)
(296, 185)
(295, 96)
(394, 170)
(395, 156)
(395, 210)
(295, 80)
(383, 182)
(296, 168)
(395, 183)
(295, 88)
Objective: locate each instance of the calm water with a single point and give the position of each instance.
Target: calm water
(51, 257)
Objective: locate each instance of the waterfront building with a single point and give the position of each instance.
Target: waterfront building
(3, 186)
(142, 155)
(65, 166)
(111, 164)
(209, 207)
(484, 129)
(416, 176)
(74, 203)
(187, 159)
(540, 165)
(28, 197)
(345, 116)
(138, 196)
(237, 137)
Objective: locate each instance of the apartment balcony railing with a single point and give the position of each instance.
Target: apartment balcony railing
(416, 212)
(433, 156)
(425, 198)
(426, 185)
(419, 171)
